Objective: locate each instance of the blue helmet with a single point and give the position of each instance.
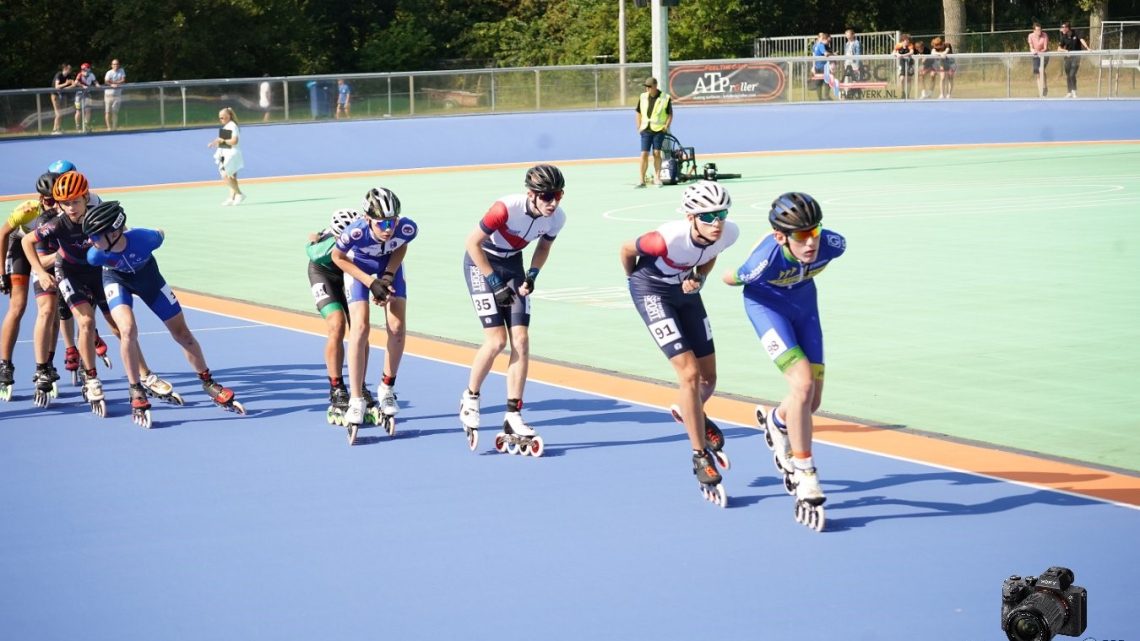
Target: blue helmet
(61, 167)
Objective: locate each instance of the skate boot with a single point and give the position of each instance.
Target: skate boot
(54, 380)
(7, 371)
(809, 499)
(156, 387)
(338, 405)
(354, 417)
(101, 351)
(140, 406)
(223, 396)
(43, 386)
(777, 441)
(709, 478)
(469, 418)
(371, 408)
(92, 392)
(714, 438)
(388, 408)
(517, 437)
(71, 364)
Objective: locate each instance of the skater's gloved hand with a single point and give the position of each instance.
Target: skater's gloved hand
(381, 288)
(528, 285)
(693, 282)
(502, 292)
(5, 284)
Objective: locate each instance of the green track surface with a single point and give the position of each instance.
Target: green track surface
(989, 294)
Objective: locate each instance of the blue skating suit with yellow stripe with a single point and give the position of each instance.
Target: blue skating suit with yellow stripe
(780, 296)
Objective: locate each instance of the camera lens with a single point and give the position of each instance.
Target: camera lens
(1026, 627)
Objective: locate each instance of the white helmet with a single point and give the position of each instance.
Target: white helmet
(703, 197)
(381, 203)
(341, 219)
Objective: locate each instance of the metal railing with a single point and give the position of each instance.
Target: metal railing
(176, 105)
(872, 43)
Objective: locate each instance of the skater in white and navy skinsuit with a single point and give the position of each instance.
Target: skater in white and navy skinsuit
(371, 253)
(500, 287)
(666, 269)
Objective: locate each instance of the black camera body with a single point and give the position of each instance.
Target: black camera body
(710, 171)
(1038, 608)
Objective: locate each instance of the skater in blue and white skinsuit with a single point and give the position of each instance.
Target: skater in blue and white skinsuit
(371, 253)
(780, 300)
(129, 271)
(666, 269)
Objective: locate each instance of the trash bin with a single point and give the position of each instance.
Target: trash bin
(320, 98)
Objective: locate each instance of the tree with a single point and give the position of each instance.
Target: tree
(954, 19)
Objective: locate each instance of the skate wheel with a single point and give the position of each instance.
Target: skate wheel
(472, 438)
(817, 519)
(353, 428)
(75, 378)
(99, 407)
(177, 399)
(390, 425)
(6, 393)
(536, 447)
(238, 408)
(761, 420)
(144, 419)
(768, 440)
(722, 459)
(54, 390)
(106, 361)
(501, 443)
(676, 412)
(513, 448)
(718, 495)
(789, 484)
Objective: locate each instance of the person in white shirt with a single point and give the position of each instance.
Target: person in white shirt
(113, 79)
(228, 156)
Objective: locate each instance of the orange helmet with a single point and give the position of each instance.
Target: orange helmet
(69, 186)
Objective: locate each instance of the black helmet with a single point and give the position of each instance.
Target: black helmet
(105, 217)
(794, 211)
(544, 178)
(45, 182)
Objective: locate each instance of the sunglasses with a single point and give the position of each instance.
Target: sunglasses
(549, 196)
(803, 235)
(385, 224)
(711, 217)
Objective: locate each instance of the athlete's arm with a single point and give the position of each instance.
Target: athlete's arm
(341, 259)
(629, 256)
(28, 243)
(475, 250)
(541, 253)
(696, 278)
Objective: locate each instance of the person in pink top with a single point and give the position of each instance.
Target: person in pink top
(1038, 45)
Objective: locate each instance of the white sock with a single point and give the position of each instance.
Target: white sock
(803, 463)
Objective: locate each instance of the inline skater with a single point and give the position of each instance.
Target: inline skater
(500, 291)
(130, 270)
(780, 300)
(326, 282)
(666, 269)
(370, 252)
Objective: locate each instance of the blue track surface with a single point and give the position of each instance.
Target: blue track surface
(270, 526)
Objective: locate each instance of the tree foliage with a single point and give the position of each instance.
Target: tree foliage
(182, 39)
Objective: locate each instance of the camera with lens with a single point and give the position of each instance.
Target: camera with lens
(710, 171)
(1039, 608)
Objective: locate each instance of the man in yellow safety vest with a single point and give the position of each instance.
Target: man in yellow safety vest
(654, 115)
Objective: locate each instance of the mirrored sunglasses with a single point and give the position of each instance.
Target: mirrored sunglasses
(711, 217)
(550, 196)
(803, 235)
(385, 224)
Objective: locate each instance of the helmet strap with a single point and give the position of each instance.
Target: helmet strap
(697, 231)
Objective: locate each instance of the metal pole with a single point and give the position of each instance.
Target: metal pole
(411, 95)
(184, 115)
(389, 96)
(162, 107)
(660, 18)
(621, 48)
(285, 98)
(492, 90)
(537, 91)
(39, 115)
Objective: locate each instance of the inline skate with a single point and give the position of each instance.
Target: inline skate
(387, 409)
(140, 406)
(354, 417)
(222, 396)
(44, 387)
(7, 371)
(338, 405)
(518, 438)
(714, 438)
(101, 351)
(156, 387)
(777, 441)
(469, 418)
(71, 364)
(371, 407)
(709, 478)
(809, 499)
(92, 392)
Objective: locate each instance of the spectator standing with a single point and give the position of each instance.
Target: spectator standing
(821, 49)
(927, 72)
(343, 99)
(115, 77)
(852, 50)
(904, 52)
(263, 98)
(84, 82)
(945, 65)
(62, 80)
(1071, 41)
(654, 115)
(1038, 46)
(228, 156)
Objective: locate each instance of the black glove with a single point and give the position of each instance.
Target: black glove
(5, 284)
(531, 276)
(380, 287)
(502, 292)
